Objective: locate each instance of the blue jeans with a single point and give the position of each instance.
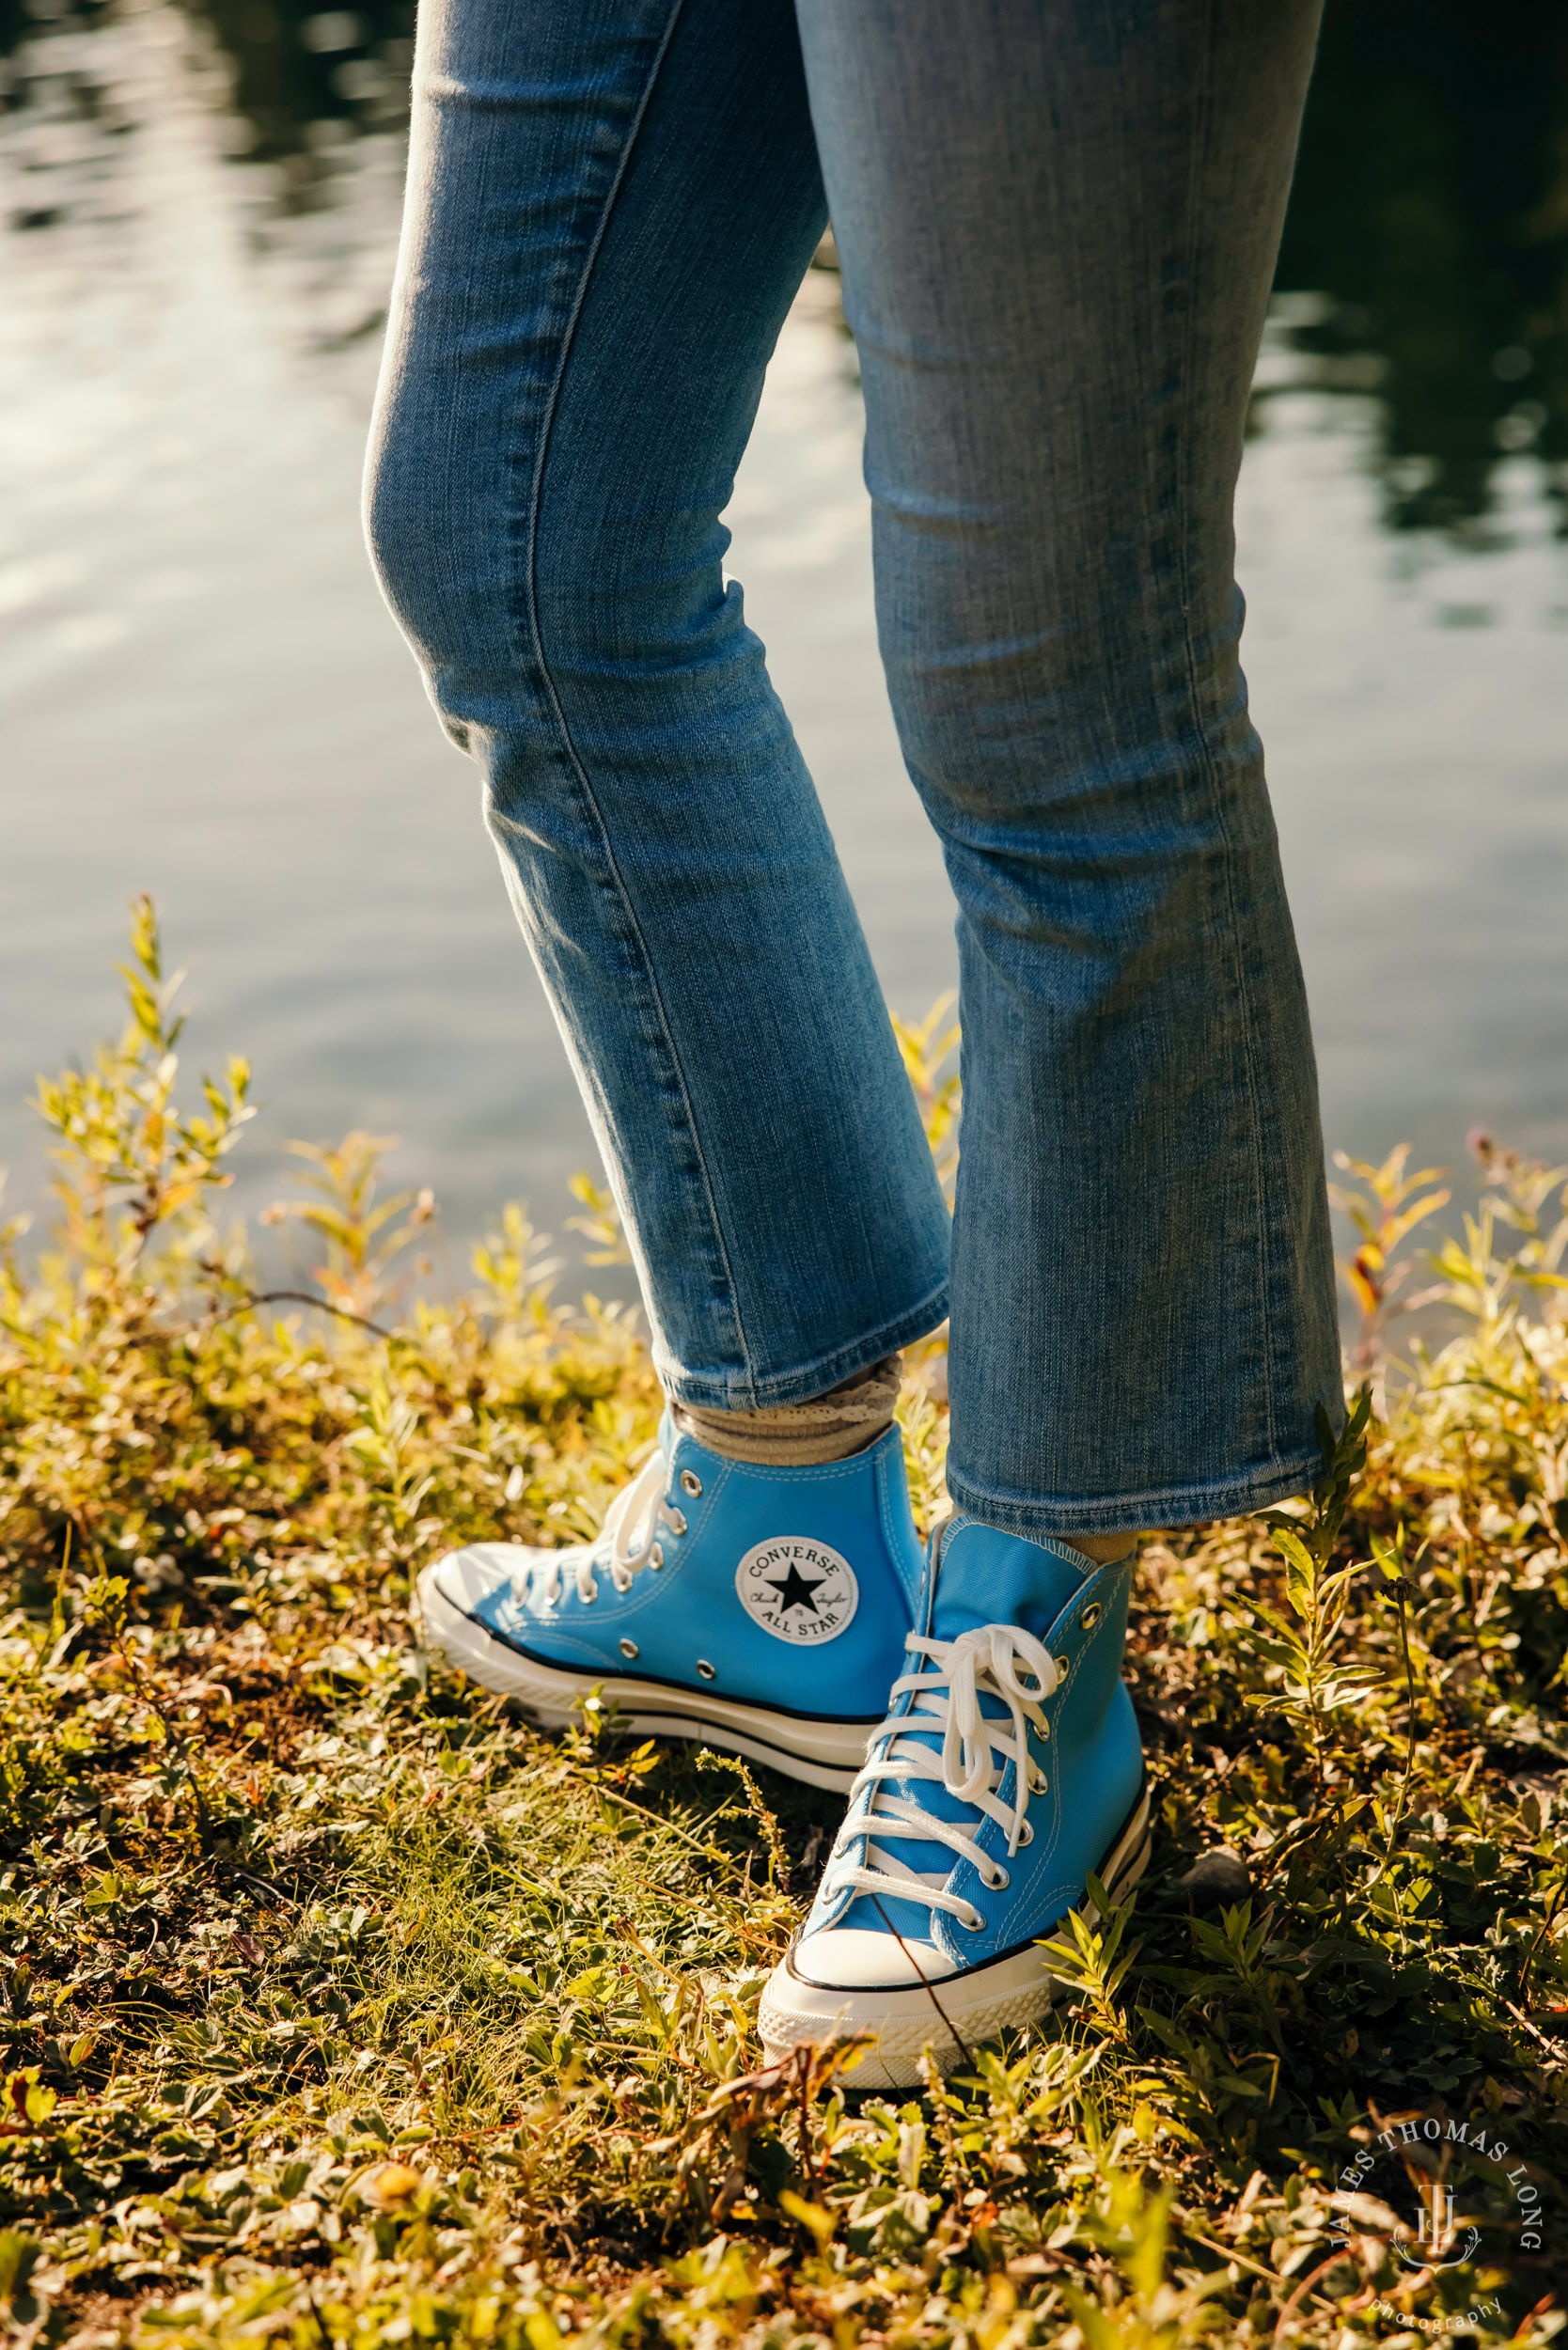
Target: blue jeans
(1057, 221)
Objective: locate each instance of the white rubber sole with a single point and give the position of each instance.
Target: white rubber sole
(970, 2008)
(822, 1754)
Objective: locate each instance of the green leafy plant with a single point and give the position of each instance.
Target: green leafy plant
(362, 1237)
(1384, 1211)
(1488, 1287)
(602, 1225)
(929, 1049)
(1089, 1958)
(130, 1159)
(340, 2007)
(1317, 1677)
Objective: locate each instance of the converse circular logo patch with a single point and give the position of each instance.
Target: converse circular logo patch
(797, 1590)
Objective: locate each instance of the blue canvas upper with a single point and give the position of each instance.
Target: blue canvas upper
(1084, 1764)
(797, 1586)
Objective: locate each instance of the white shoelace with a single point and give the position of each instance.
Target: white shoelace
(628, 1543)
(977, 1749)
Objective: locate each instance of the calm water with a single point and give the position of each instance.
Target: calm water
(203, 695)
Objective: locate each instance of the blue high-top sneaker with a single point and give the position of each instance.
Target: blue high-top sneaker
(764, 1610)
(1009, 1766)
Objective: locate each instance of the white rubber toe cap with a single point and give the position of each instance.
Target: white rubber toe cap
(850, 1958)
(467, 1577)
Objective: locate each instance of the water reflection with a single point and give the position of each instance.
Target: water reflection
(1425, 256)
(277, 69)
(297, 67)
(289, 92)
(203, 695)
(1427, 243)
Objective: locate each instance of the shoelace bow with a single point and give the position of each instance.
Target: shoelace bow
(976, 1751)
(628, 1543)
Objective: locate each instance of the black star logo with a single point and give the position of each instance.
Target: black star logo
(794, 1591)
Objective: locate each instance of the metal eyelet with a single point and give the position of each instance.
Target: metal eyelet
(973, 1923)
(690, 1483)
(1038, 1781)
(709, 1672)
(997, 1878)
(588, 1598)
(677, 1523)
(1063, 1666)
(656, 1558)
(1091, 1615)
(628, 1648)
(1025, 1833)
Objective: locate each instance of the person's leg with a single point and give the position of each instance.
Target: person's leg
(610, 208)
(1057, 221)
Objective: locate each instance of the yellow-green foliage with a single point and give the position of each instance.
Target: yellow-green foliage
(340, 2009)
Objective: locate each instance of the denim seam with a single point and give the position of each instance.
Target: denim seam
(1202, 128)
(1108, 1513)
(542, 453)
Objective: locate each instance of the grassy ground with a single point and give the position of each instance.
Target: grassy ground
(341, 2009)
